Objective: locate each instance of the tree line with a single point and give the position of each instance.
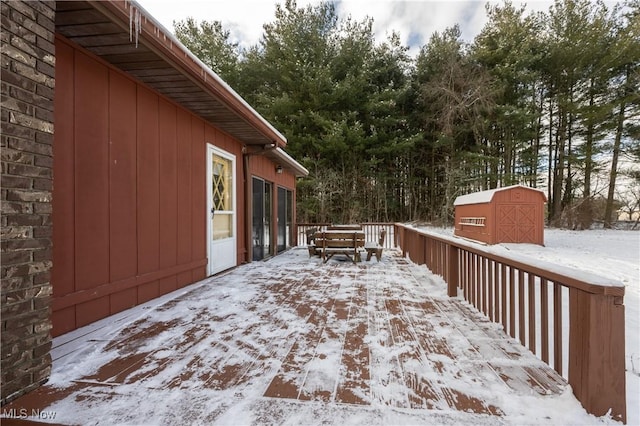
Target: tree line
(546, 99)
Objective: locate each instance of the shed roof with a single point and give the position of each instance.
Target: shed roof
(486, 196)
(125, 35)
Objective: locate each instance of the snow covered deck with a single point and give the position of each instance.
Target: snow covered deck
(293, 341)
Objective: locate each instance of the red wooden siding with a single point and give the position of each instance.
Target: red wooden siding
(148, 191)
(183, 171)
(266, 169)
(91, 201)
(123, 243)
(479, 233)
(63, 273)
(123, 178)
(91, 131)
(198, 195)
(168, 194)
(130, 194)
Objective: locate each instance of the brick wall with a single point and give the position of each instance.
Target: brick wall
(28, 61)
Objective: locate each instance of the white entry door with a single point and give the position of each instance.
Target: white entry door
(221, 210)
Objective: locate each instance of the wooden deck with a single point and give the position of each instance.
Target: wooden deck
(290, 340)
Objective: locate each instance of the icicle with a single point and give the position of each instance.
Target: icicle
(138, 22)
(134, 23)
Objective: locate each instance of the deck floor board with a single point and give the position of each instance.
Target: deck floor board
(272, 342)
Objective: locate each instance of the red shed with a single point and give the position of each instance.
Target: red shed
(513, 214)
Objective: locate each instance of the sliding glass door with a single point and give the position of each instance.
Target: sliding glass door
(285, 218)
(262, 195)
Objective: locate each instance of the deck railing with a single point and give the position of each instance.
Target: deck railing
(371, 230)
(571, 320)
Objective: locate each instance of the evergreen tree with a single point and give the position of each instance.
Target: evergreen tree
(508, 47)
(212, 45)
(387, 137)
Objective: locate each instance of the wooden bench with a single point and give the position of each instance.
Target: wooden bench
(373, 247)
(346, 243)
(311, 241)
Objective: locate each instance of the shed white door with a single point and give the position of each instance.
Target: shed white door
(221, 208)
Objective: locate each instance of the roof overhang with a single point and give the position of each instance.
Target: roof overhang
(125, 35)
(280, 157)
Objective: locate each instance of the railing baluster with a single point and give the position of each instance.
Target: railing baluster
(472, 277)
(467, 294)
(491, 302)
(454, 272)
(496, 291)
(557, 328)
(503, 285)
(444, 253)
(532, 313)
(428, 252)
(512, 302)
(521, 317)
(465, 274)
(475, 279)
(445, 272)
(544, 323)
(434, 256)
(487, 292)
(483, 283)
(478, 283)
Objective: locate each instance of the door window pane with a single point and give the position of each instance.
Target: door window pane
(222, 184)
(222, 225)
(289, 218)
(222, 195)
(258, 219)
(267, 218)
(261, 232)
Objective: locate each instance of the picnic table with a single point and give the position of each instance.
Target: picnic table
(348, 240)
(339, 241)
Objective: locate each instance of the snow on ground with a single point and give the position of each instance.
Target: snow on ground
(612, 254)
(251, 318)
(246, 325)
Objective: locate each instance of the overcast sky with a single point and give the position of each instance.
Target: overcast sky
(415, 20)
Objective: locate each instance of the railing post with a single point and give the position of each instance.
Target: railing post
(452, 282)
(596, 353)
